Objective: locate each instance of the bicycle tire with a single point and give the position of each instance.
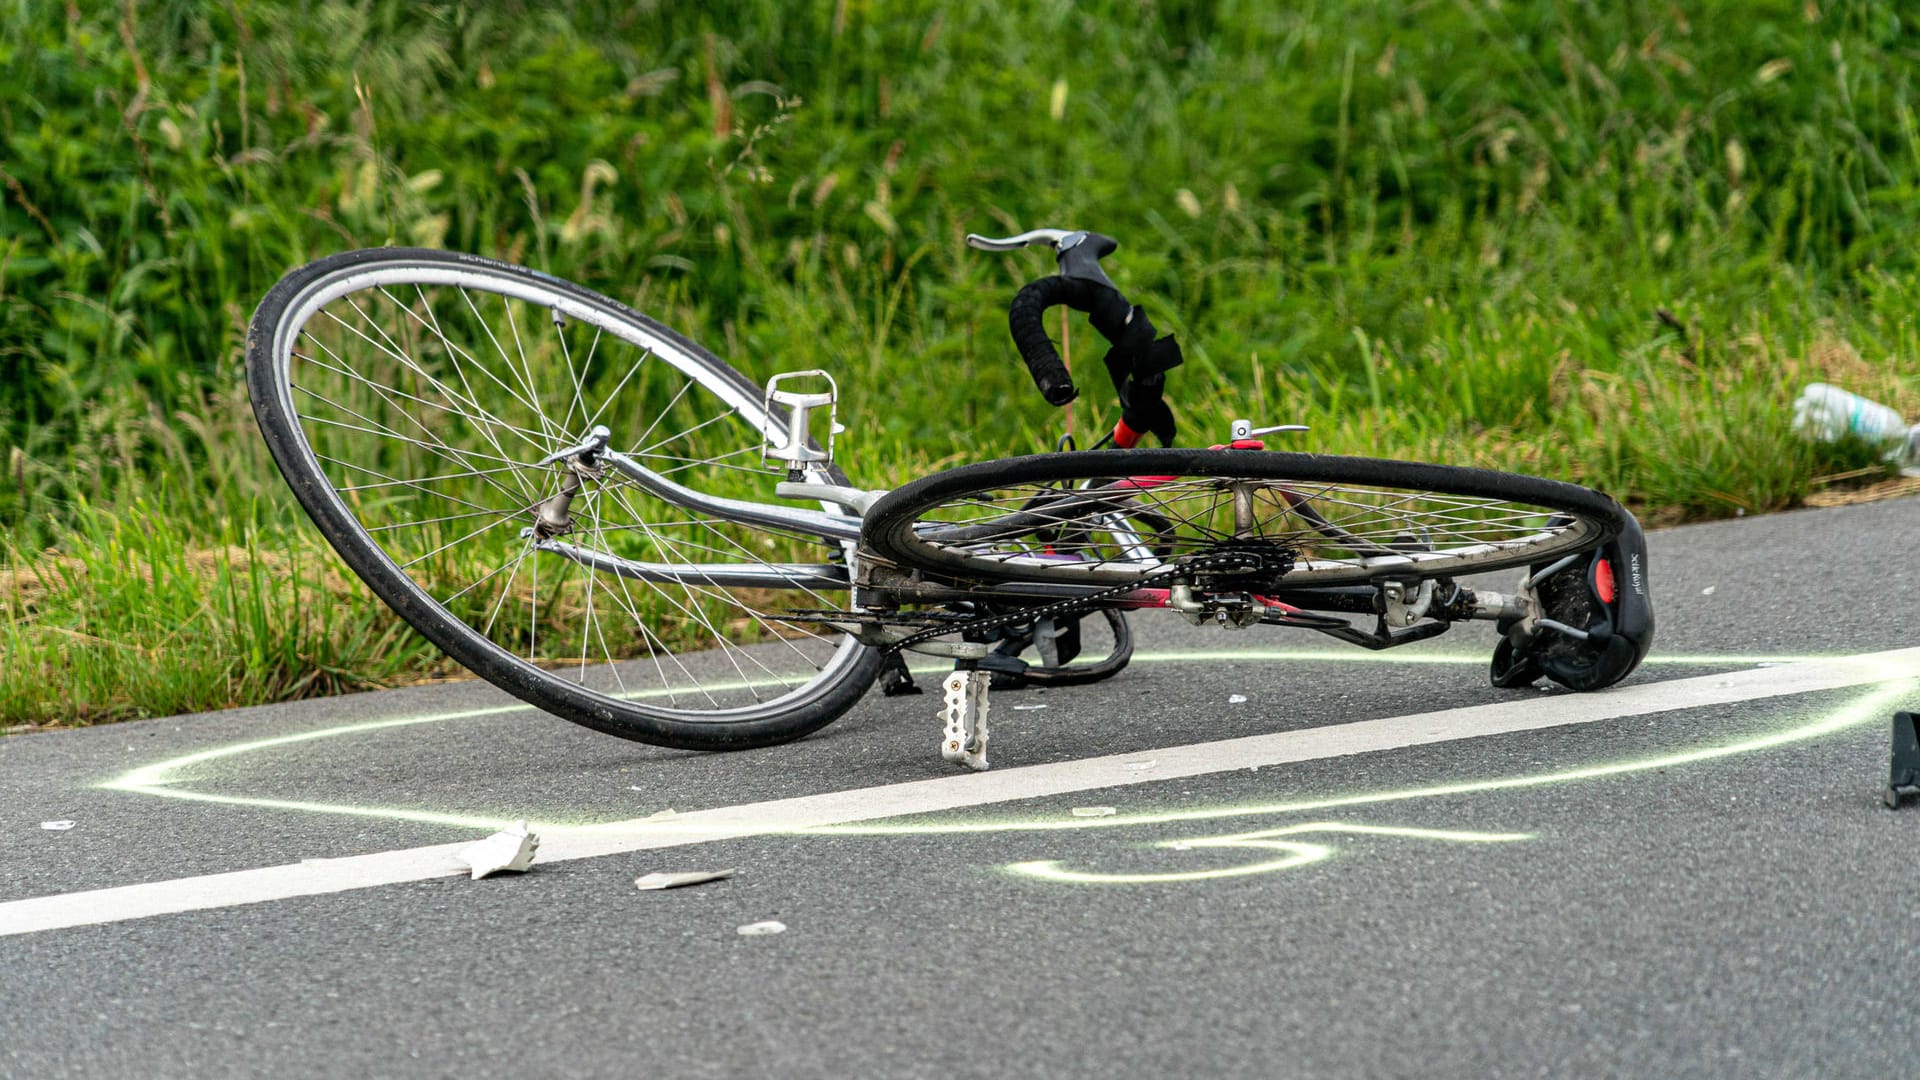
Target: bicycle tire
(412, 409)
(969, 523)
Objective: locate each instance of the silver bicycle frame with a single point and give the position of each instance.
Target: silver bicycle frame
(792, 519)
(841, 527)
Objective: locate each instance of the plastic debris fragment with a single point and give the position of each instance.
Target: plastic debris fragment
(1094, 811)
(1828, 413)
(1708, 591)
(1029, 708)
(510, 849)
(762, 929)
(674, 880)
(1235, 699)
(57, 826)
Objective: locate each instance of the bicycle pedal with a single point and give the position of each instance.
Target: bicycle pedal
(797, 450)
(964, 740)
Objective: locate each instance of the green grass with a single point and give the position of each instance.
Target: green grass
(1602, 242)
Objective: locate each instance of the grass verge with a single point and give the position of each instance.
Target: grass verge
(1605, 243)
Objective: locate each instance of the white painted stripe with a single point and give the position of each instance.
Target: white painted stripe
(317, 877)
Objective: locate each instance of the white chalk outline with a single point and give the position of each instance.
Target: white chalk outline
(816, 813)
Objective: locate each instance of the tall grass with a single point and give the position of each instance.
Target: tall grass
(1605, 242)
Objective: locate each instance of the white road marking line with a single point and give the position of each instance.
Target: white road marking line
(322, 876)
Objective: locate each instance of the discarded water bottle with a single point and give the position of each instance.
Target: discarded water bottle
(1828, 413)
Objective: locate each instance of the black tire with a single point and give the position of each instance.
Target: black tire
(1345, 520)
(464, 431)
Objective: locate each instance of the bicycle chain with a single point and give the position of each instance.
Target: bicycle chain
(1243, 561)
(838, 615)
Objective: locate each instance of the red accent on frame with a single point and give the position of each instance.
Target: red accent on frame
(1125, 437)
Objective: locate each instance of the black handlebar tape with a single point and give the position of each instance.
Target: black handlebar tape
(1101, 302)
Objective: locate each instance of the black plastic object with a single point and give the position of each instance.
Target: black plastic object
(894, 678)
(1057, 640)
(1905, 779)
(1619, 628)
(1138, 360)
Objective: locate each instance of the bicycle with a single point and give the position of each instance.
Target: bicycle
(457, 427)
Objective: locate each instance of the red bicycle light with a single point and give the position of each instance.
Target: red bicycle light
(1603, 580)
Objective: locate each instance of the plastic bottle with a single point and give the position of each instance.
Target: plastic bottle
(1827, 413)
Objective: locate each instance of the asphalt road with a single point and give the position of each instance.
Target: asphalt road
(1692, 874)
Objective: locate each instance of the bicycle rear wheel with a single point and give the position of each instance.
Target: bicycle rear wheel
(1112, 517)
(415, 401)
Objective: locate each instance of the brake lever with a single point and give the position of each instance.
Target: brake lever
(1058, 239)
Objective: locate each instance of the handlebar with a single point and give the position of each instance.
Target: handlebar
(1137, 361)
(1024, 319)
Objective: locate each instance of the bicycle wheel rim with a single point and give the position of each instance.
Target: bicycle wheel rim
(966, 523)
(749, 693)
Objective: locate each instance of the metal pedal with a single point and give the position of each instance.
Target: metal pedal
(796, 450)
(964, 742)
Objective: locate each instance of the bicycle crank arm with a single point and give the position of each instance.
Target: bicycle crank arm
(791, 518)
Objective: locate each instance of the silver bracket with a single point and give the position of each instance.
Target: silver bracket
(964, 740)
(796, 451)
(1232, 612)
(1406, 604)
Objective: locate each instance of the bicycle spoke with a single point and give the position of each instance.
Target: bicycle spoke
(1131, 525)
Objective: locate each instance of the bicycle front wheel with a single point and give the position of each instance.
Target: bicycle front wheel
(422, 405)
(1112, 517)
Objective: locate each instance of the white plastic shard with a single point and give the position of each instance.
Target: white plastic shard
(1236, 699)
(57, 826)
(509, 850)
(1093, 811)
(762, 929)
(963, 741)
(674, 880)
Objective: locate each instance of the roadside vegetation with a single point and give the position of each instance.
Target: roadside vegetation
(1605, 242)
